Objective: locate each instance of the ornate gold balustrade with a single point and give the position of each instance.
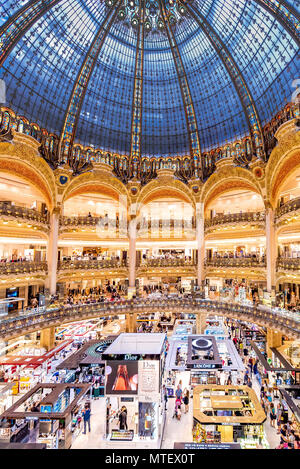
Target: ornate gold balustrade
(7, 210)
(288, 208)
(168, 263)
(235, 262)
(288, 264)
(87, 221)
(285, 322)
(22, 267)
(244, 217)
(90, 264)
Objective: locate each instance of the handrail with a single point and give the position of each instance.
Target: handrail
(288, 207)
(86, 220)
(22, 267)
(90, 264)
(223, 219)
(8, 209)
(235, 262)
(288, 263)
(281, 320)
(168, 263)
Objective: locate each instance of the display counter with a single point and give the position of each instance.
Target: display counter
(50, 414)
(134, 365)
(228, 414)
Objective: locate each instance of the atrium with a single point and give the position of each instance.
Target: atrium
(149, 224)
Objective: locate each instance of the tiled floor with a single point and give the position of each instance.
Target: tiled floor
(177, 430)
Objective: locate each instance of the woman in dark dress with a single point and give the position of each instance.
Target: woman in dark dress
(123, 419)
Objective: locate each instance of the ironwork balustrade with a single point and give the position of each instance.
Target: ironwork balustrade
(22, 267)
(37, 319)
(288, 207)
(247, 217)
(24, 213)
(288, 264)
(94, 264)
(235, 262)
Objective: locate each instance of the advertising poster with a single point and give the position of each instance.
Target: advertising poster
(148, 419)
(121, 377)
(148, 377)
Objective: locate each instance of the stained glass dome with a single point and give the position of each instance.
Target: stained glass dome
(171, 72)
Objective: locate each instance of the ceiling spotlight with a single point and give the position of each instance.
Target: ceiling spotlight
(160, 24)
(121, 14)
(135, 22)
(148, 26)
(131, 4)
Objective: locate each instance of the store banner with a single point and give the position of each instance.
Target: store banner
(148, 377)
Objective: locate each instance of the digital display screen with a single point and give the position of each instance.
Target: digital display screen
(121, 377)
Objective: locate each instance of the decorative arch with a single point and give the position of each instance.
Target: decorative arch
(22, 161)
(165, 187)
(227, 179)
(283, 161)
(96, 181)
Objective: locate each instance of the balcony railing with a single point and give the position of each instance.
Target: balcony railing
(235, 262)
(167, 263)
(90, 264)
(289, 207)
(288, 264)
(283, 321)
(163, 224)
(246, 217)
(22, 267)
(7, 209)
(87, 221)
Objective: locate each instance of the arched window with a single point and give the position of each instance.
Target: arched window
(5, 120)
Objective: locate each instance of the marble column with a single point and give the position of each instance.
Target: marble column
(52, 252)
(47, 338)
(132, 254)
(271, 243)
(130, 325)
(200, 243)
(274, 340)
(200, 323)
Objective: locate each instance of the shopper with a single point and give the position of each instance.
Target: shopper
(278, 416)
(123, 419)
(165, 395)
(272, 415)
(186, 400)
(178, 392)
(86, 418)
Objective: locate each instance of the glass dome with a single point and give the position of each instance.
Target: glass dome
(42, 67)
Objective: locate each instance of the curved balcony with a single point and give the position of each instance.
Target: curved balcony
(173, 224)
(233, 218)
(282, 321)
(235, 262)
(26, 214)
(167, 263)
(288, 208)
(86, 221)
(90, 264)
(22, 267)
(288, 264)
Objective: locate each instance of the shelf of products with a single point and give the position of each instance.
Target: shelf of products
(122, 435)
(50, 440)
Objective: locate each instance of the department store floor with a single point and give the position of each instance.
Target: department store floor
(173, 431)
